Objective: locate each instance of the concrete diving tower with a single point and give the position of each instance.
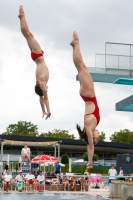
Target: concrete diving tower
(109, 75)
(125, 105)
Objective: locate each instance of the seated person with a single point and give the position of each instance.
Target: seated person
(7, 180)
(48, 182)
(128, 178)
(20, 181)
(65, 181)
(1, 182)
(101, 184)
(73, 182)
(92, 184)
(97, 184)
(82, 183)
(40, 179)
(25, 153)
(30, 180)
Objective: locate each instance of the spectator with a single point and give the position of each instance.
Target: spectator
(92, 184)
(112, 173)
(48, 182)
(121, 174)
(7, 180)
(1, 182)
(129, 179)
(40, 179)
(97, 184)
(57, 170)
(16, 168)
(65, 181)
(25, 153)
(101, 184)
(5, 170)
(82, 183)
(30, 180)
(20, 181)
(73, 182)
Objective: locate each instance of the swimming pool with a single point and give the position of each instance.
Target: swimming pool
(20, 196)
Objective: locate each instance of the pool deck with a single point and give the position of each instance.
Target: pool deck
(94, 192)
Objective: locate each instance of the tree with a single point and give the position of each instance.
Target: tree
(65, 159)
(95, 157)
(22, 128)
(123, 136)
(58, 134)
(85, 157)
(102, 136)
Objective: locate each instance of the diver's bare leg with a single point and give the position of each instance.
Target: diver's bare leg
(77, 57)
(23, 24)
(32, 42)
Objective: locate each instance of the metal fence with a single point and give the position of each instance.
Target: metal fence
(117, 56)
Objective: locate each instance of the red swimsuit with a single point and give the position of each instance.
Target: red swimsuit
(96, 111)
(34, 55)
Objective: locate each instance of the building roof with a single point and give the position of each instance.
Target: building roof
(26, 139)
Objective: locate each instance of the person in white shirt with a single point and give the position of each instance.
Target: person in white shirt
(5, 169)
(40, 179)
(121, 172)
(101, 184)
(30, 180)
(112, 173)
(20, 181)
(92, 184)
(25, 153)
(7, 180)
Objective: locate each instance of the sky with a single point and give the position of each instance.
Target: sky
(52, 23)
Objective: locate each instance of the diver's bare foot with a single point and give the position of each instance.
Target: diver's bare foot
(89, 166)
(75, 39)
(21, 12)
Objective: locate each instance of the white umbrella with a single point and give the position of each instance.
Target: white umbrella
(80, 161)
(51, 164)
(20, 159)
(47, 164)
(62, 165)
(70, 165)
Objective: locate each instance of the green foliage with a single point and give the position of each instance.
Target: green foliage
(65, 159)
(123, 136)
(102, 136)
(22, 128)
(95, 157)
(65, 169)
(62, 134)
(85, 157)
(81, 168)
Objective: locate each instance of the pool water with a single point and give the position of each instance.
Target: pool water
(20, 196)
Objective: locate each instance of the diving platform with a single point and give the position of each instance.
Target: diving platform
(125, 104)
(109, 75)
